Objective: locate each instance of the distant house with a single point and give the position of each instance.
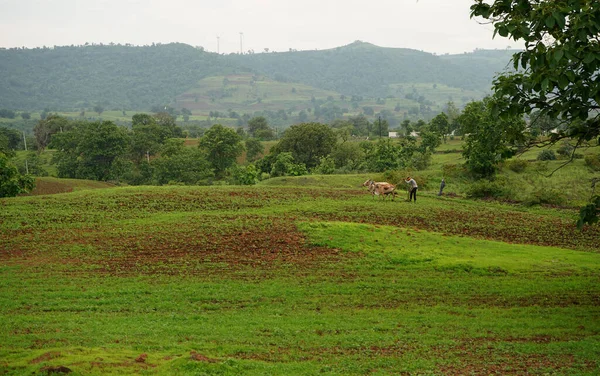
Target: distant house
(393, 134)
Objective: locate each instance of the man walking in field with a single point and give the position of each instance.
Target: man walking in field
(413, 188)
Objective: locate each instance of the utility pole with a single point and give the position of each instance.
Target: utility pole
(241, 45)
(218, 40)
(380, 126)
(25, 143)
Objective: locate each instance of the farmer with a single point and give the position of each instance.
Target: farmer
(413, 188)
(442, 186)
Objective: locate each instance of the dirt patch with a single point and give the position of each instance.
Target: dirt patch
(202, 358)
(45, 357)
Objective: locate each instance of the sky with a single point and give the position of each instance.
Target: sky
(228, 26)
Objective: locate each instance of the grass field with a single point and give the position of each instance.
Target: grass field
(303, 278)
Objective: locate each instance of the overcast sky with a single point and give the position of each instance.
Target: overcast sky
(437, 26)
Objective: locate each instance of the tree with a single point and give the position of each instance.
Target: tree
(440, 125)
(91, 150)
(558, 69)
(179, 164)
(307, 142)
(254, 148)
(47, 127)
(489, 139)
(259, 128)
(222, 146)
(559, 66)
(11, 182)
(99, 109)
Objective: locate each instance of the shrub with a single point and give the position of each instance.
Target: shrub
(546, 196)
(326, 166)
(517, 165)
(546, 155)
(487, 189)
(242, 175)
(593, 161)
(565, 150)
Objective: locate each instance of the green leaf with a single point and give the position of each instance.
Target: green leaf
(545, 84)
(563, 81)
(550, 22)
(589, 58)
(503, 31)
(560, 19)
(558, 55)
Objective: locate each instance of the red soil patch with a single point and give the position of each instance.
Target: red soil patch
(45, 357)
(201, 358)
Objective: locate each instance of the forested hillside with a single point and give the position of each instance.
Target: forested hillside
(365, 69)
(120, 77)
(137, 78)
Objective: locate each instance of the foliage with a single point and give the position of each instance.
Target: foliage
(12, 182)
(181, 165)
(489, 139)
(258, 127)
(47, 127)
(546, 155)
(589, 214)
(485, 188)
(348, 155)
(421, 160)
(284, 165)
(89, 149)
(35, 165)
(517, 165)
(440, 125)
(558, 70)
(242, 175)
(10, 140)
(326, 166)
(108, 76)
(307, 142)
(593, 161)
(544, 196)
(221, 146)
(254, 149)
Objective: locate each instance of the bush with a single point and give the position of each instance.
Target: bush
(593, 161)
(326, 166)
(565, 150)
(487, 189)
(517, 165)
(547, 196)
(546, 155)
(242, 175)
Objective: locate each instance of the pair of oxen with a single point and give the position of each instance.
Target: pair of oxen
(381, 189)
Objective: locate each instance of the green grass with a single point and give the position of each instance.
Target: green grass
(289, 280)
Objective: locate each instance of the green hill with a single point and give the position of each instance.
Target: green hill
(121, 77)
(125, 77)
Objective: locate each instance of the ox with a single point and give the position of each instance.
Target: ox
(382, 189)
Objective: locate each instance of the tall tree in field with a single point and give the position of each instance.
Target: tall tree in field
(222, 146)
(489, 139)
(559, 68)
(307, 142)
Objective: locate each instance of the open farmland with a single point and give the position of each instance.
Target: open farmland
(293, 280)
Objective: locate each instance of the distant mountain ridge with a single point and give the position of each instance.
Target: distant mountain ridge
(132, 77)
